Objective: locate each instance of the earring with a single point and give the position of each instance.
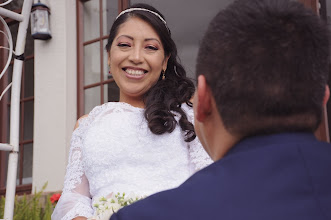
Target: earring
(163, 75)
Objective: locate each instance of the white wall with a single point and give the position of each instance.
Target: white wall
(55, 96)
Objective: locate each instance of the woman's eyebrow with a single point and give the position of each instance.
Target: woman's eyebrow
(148, 39)
(125, 36)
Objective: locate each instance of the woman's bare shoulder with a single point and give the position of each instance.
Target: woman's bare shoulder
(77, 122)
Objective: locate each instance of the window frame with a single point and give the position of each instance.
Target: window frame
(122, 4)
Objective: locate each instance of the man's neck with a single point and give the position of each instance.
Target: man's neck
(218, 140)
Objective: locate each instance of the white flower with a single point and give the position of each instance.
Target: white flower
(105, 207)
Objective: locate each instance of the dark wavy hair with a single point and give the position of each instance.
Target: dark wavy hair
(166, 96)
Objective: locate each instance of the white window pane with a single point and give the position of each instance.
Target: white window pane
(27, 163)
(92, 98)
(28, 120)
(28, 78)
(110, 11)
(92, 63)
(106, 74)
(91, 20)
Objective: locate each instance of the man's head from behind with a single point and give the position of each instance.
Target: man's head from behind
(266, 64)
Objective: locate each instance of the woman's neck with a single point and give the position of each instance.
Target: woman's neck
(134, 101)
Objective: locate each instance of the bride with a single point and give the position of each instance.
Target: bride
(146, 142)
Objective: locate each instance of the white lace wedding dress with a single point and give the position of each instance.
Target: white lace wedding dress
(113, 150)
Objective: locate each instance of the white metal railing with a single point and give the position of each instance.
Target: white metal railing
(13, 146)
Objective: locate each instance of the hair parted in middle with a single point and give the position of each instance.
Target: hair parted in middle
(266, 62)
(166, 96)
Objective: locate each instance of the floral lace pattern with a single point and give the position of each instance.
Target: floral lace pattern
(75, 167)
(80, 209)
(72, 205)
(113, 150)
(198, 155)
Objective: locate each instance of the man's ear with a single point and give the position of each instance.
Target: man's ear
(203, 100)
(326, 95)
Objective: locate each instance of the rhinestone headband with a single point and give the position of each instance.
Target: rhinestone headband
(142, 9)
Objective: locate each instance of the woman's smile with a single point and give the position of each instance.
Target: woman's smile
(134, 73)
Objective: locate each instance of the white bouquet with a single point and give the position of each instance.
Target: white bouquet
(105, 207)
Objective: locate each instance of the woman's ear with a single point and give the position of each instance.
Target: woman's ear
(165, 63)
(204, 98)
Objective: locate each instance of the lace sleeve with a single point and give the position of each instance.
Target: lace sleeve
(198, 156)
(75, 199)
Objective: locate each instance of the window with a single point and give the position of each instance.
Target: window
(24, 172)
(95, 84)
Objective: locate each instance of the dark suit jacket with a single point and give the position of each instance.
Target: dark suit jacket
(281, 177)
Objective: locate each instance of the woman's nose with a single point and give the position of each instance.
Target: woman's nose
(136, 55)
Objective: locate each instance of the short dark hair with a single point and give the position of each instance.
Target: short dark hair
(266, 62)
(166, 96)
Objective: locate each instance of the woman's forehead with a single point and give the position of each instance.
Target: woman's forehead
(135, 26)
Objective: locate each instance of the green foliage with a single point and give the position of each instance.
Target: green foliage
(36, 206)
(2, 206)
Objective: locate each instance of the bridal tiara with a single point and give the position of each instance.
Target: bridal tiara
(143, 9)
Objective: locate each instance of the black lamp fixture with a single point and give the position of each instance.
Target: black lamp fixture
(40, 28)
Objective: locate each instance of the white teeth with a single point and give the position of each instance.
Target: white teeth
(134, 72)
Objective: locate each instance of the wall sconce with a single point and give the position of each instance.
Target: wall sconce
(40, 28)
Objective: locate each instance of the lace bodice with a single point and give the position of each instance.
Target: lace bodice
(113, 150)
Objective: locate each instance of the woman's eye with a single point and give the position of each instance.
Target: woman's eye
(152, 48)
(123, 45)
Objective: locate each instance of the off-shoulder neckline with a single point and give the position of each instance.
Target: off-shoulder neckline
(129, 106)
(134, 107)
(125, 104)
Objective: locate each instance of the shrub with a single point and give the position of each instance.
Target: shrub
(36, 206)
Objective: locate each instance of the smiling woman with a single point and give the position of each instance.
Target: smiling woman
(136, 60)
(144, 40)
(145, 143)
